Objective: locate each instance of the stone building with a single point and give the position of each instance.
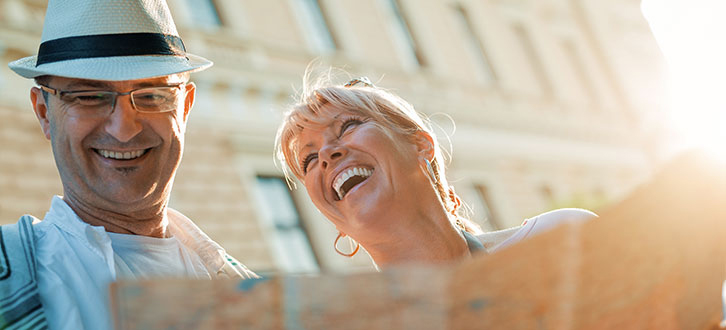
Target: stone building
(555, 103)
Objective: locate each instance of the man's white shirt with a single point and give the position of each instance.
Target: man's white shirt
(77, 262)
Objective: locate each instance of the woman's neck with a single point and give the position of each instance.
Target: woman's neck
(431, 239)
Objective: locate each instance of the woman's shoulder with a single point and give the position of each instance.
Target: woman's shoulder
(546, 221)
(556, 217)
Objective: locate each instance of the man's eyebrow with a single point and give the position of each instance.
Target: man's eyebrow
(88, 83)
(160, 83)
(81, 84)
(147, 84)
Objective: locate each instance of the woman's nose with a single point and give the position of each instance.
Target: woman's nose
(331, 154)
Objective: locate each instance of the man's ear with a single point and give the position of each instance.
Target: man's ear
(41, 110)
(424, 145)
(191, 92)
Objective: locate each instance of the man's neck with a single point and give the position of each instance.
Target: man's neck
(150, 221)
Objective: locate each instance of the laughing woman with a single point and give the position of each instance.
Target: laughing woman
(373, 166)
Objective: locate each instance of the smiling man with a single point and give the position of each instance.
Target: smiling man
(113, 96)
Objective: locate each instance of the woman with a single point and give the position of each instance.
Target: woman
(373, 166)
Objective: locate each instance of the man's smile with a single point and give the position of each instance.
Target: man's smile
(121, 155)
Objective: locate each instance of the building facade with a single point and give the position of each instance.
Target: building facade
(546, 103)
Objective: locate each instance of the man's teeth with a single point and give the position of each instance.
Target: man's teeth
(348, 174)
(121, 155)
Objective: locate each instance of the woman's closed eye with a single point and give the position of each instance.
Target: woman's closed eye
(344, 127)
(306, 162)
(349, 123)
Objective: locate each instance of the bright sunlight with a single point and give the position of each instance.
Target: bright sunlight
(691, 35)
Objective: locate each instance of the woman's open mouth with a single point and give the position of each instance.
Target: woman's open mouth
(350, 178)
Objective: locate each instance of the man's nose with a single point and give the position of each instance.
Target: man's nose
(123, 123)
(330, 154)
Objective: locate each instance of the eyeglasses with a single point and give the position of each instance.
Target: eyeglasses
(95, 103)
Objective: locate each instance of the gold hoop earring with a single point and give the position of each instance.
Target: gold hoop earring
(349, 255)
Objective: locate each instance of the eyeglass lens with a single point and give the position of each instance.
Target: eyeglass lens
(155, 99)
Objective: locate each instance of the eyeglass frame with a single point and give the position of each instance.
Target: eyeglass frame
(59, 94)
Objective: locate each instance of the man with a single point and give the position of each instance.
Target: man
(113, 98)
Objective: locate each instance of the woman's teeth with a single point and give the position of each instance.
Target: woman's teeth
(121, 155)
(349, 179)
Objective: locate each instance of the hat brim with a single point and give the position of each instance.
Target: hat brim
(112, 68)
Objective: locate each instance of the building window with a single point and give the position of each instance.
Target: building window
(534, 59)
(491, 218)
(204, 14)
(317, 27)
(574, 58)
(281, 219)
(404, 37)
(475, 44)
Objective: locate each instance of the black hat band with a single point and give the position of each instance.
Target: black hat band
(109, 45)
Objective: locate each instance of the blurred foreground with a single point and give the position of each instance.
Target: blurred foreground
(654, 261)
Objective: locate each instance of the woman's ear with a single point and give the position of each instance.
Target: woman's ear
(424, 145)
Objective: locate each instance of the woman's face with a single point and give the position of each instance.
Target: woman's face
(355, 173)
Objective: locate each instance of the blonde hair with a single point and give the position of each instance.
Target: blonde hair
(388, 111)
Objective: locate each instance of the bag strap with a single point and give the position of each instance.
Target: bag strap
(20, 304)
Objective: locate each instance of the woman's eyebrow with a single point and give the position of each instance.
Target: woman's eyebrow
(303, 149)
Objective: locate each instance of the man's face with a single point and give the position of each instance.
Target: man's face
(124, 161)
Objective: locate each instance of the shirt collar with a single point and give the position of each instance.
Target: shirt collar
(94, 238)
(179, 226)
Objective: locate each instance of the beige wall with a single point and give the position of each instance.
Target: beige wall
(578, 133)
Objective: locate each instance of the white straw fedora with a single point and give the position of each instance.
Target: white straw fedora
(109, 40)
